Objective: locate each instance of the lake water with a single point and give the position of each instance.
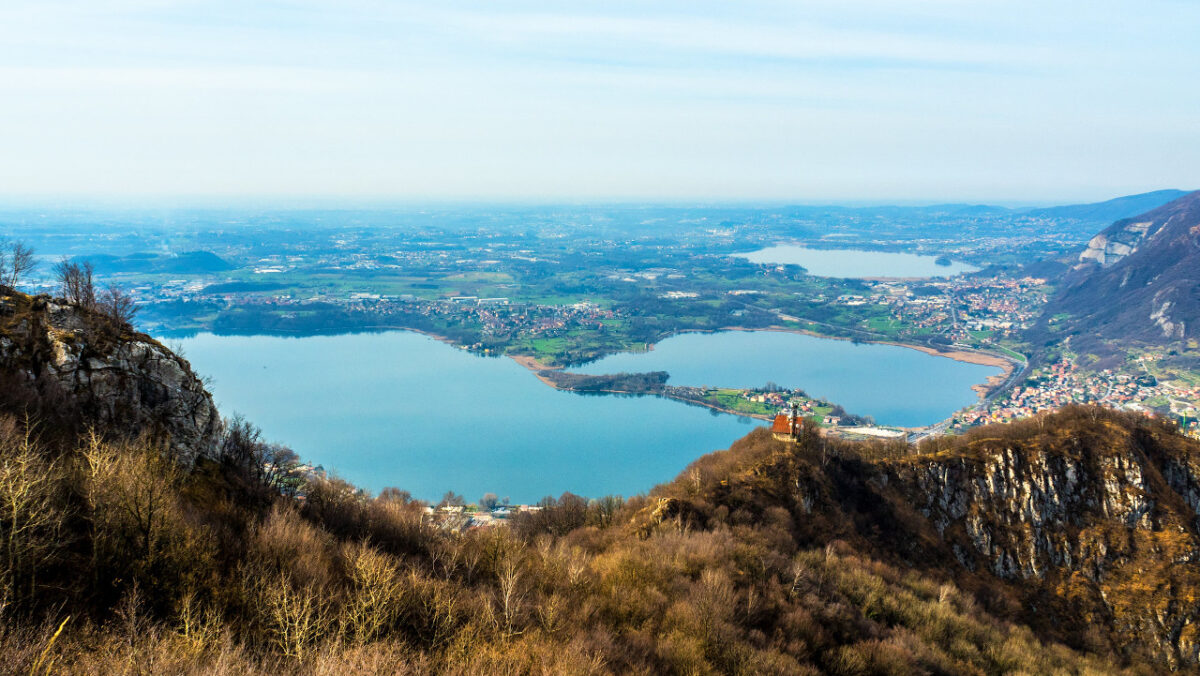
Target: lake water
(895, 385)
(853, 263)
(400, 409)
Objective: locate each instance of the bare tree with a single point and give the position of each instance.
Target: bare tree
(242, 446)
(452, 499)
(279, 468)
(117, 304)
(510, 595)
(30, 517)
(393, 494)
(76, 283)
(16, 261)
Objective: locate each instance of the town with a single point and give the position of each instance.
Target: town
(1061, 383)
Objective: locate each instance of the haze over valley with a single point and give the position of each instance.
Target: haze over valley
(600, 338)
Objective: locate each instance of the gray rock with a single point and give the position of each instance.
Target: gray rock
(133, 386)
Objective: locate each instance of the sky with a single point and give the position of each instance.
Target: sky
(1009, 101)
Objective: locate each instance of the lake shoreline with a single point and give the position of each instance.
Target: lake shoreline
(1006, 364)
(533, 365)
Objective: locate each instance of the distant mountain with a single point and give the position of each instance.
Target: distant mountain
(1138, 281)
(1111, 210)
(188, 262)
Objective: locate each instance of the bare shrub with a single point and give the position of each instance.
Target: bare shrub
(398, 526)
(285, 542)
(375, 593)
(297, 616)
(31, 516)
(117, 305)
(76, 282)
(287, 580)
(130, 491)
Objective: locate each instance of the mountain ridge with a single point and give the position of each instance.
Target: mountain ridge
(1136, 283)
(1113, 209)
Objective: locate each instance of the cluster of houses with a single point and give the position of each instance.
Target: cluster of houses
(1062, 383)
(784, 400)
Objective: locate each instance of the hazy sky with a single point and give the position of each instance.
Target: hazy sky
(840, 100)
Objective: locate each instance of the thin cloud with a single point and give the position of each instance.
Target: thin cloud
(853, 98)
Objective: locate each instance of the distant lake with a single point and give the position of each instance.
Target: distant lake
(400, 409)
(854, 263)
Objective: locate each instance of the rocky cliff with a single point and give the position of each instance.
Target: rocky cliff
(1114, 243)
(1082, 524)
(101, 373)
(1102, 522)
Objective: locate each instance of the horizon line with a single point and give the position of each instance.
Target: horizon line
(358, 202)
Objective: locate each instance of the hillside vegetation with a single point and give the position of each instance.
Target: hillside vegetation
(1064, 544)
(118, 561)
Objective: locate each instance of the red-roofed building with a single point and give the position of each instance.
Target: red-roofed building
(786, 427)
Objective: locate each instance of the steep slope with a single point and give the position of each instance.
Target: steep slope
(1097, 523)
(1082, 524)
(1111, 210)
(1137, 282)
(77, 367)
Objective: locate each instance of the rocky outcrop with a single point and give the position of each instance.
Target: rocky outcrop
(117, 380)
(1016, 509)
(1107, 523)
(1115, 243)
(1084, 524)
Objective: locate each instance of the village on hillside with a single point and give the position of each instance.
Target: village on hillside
(1061, 383)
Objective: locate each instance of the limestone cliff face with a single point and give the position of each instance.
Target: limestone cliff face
(1084, 524)
(118, 380)
(1016, 509)
(1106, 522)
(1115, 243)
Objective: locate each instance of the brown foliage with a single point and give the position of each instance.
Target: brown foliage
(76, 282)
(760, 559)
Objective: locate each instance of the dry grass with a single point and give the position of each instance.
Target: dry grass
(737, 567)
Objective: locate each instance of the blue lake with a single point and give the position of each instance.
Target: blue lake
(895, 385)
(400, 409)
(853, 263)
